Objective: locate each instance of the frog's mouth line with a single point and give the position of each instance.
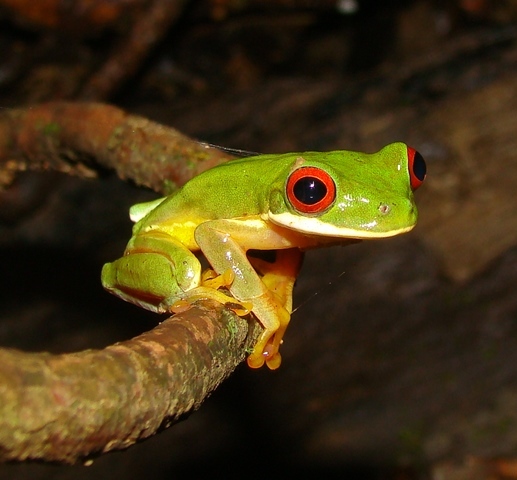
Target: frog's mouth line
(314, 226)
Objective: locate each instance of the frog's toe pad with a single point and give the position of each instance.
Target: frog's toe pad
(239, 308)
(180, 306)
(211, 279)
(255, 360)
(274, 361)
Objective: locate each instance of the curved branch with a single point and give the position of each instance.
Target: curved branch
(74, 137)
(65, 407)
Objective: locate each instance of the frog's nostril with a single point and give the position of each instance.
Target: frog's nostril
(384, 208)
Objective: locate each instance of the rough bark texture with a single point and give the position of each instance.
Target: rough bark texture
(66, 407)
(72, 137)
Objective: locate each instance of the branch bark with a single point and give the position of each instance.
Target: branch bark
(66, 407)
(76, 137)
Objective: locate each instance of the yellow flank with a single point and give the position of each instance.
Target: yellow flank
(181, 230)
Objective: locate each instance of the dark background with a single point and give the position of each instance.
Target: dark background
(400, 361)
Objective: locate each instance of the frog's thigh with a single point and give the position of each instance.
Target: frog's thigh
(279, 276)
(154, 272)
(186, 268)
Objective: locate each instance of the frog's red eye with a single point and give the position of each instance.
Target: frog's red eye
(310, 190)
(417, 168)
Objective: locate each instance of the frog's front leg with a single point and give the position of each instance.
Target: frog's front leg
(224, 245)
(155, 271)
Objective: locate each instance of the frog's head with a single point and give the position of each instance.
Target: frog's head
(349, 194)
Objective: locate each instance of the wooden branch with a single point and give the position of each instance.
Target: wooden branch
(74, 137)
(65, 407)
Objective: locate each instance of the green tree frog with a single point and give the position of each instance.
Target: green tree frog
(286, 203)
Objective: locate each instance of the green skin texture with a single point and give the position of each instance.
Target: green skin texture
(243, 205)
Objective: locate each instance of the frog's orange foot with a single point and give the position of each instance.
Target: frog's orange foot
(268, 355)
(210, 279)
(240, 309)
(211, 282)
(180, 306)
(206, 293)
(255, 360)
(258, 360)
(272, 355)
(274, 361)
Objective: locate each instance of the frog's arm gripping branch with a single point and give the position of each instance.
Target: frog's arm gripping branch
(62, 407)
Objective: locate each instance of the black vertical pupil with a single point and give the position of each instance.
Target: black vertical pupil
(419, 167)
(309, 190)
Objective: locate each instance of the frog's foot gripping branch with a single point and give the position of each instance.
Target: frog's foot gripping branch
(270, 304)
(209, 289)
(273, 308)
(266, 349)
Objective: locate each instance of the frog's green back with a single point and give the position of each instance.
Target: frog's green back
(233, 189)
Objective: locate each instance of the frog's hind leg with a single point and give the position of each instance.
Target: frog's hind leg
(154, 272)
(279, 277)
